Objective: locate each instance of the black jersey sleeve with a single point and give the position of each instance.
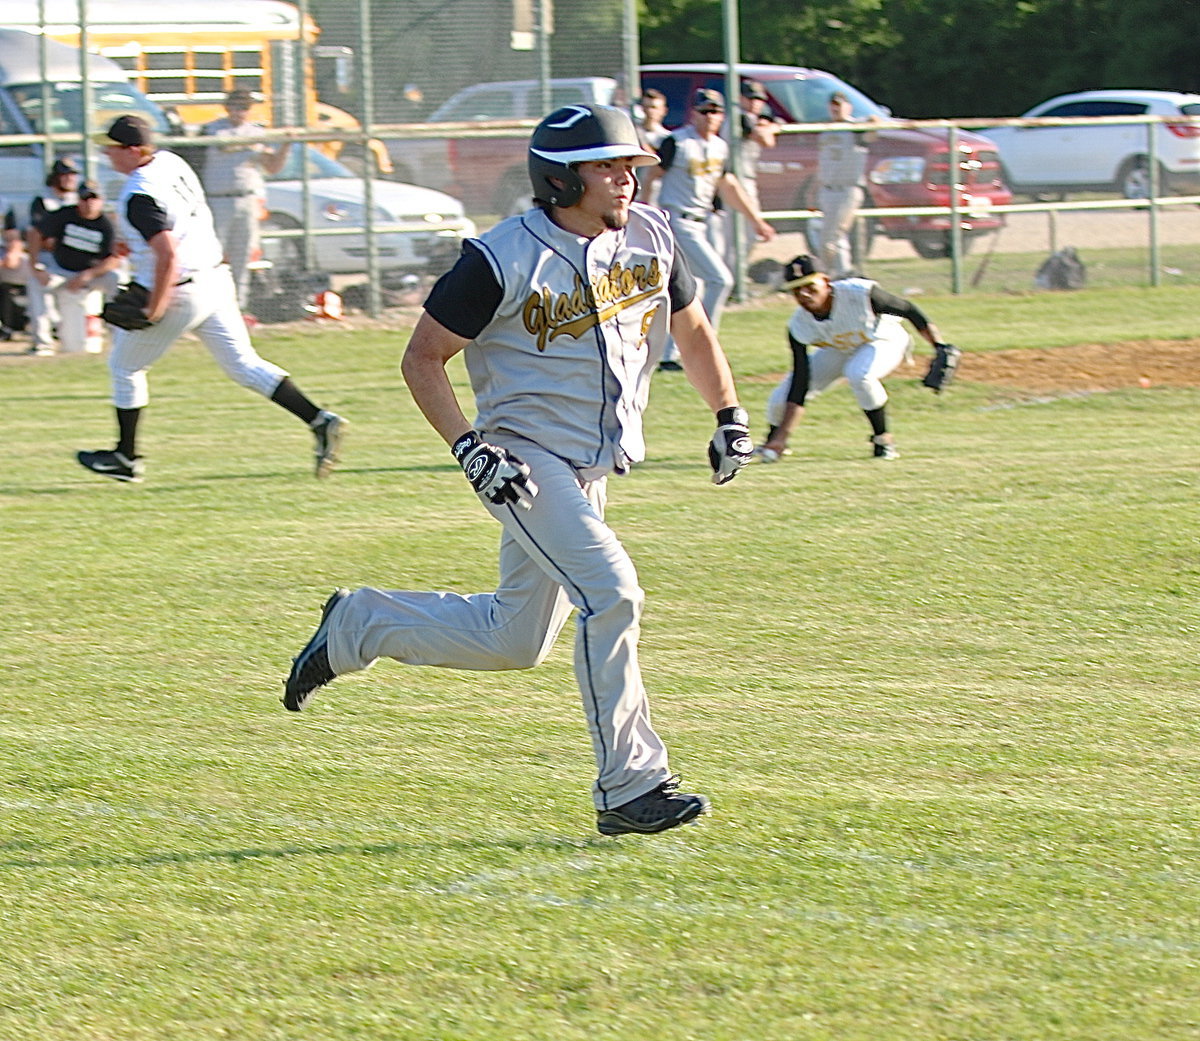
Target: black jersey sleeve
(465, 298)
(798, 389)
(681, 286)
(883, 302)
(51, 225)
(666, 152)
(147, 216)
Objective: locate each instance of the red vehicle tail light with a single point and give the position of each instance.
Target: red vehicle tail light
(1187, 130)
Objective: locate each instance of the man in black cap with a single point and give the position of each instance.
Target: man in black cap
(853, 326)
(758, 129)
(694, 171)
(175, 258)
(61, 184)
(235, 186)
(80, 265)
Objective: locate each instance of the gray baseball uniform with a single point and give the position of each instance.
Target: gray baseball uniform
(566, 332)
(234, 186)
(841, 166)
(164, 194)
(693, 166)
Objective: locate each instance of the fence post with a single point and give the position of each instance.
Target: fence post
(955, 238)
(1152, 154)
(367, 108)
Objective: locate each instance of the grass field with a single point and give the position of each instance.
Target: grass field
(946, 710)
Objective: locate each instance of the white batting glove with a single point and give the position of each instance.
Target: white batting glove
(731, 447)
(496, 474)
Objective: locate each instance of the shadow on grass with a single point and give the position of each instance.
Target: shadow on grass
(373, 849)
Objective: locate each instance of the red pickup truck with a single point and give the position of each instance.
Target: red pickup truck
(481, 157)
(906, 168)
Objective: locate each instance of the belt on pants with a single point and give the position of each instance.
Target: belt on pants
(698, 218)
(230, 195)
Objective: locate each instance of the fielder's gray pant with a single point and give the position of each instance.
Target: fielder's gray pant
(705, 262)
(557, 555)
(207, 306)
(236, 219)
(838, 206)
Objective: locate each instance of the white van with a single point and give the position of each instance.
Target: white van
(23, 90)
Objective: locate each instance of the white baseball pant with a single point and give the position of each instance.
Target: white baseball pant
(73, 306)
(207, 306)
(864, 369)
(557, 555)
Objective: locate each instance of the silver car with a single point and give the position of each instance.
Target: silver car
(1052, 160)
(418, 230)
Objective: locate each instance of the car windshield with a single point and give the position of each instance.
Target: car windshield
(807, 99)
(108, 101)
(319, 165)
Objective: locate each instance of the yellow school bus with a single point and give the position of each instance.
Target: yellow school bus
(186, 55)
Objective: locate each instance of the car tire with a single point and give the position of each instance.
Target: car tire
(935, 245)
(1133, 182)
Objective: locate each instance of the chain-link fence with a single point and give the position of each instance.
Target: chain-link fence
(379, 96)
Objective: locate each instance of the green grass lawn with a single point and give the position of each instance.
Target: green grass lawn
(946, 709)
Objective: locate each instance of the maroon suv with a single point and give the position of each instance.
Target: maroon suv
(904, 167)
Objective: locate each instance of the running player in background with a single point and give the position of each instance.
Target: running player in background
(562, 313)
(174, 253)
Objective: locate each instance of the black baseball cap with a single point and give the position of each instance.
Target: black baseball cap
(753, 90)
(239, 98)
(88, 190)
(126, 131)
(800, 271)
(63, 166)
(705, 100)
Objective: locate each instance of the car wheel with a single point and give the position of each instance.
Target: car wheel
(1133, 182)
(935, 245)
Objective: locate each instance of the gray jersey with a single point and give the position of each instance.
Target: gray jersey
(233, 170)
(689, 184)
(567, 358)
(173, 186)
(841, 158)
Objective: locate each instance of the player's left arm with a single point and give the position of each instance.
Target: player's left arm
(883, 302)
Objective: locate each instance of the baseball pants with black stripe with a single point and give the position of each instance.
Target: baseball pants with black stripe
(556, 556)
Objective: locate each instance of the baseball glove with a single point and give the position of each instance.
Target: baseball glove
(942, 368)
(127, 310)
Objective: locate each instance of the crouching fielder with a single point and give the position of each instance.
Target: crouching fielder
(854, 328)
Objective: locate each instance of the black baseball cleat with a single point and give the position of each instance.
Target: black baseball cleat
(112, 464)
(310, 668)
(659, 809)
(328, 429)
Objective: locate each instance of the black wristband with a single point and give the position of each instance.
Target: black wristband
(733, 415)
(464, 444)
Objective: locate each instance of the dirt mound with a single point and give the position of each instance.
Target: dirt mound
(1089, 367)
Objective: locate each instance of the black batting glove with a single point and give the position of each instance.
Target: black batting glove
(496, 474)
(731, 447)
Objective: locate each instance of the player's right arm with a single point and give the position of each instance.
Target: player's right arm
(424, 370)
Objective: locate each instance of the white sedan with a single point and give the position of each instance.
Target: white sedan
(418, 230)
(1052, 160)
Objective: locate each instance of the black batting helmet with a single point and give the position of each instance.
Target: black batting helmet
(579, 134)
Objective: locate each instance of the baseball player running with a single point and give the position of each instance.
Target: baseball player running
(854, 326)
(179, 285)
(693, 173)
(562, 313)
